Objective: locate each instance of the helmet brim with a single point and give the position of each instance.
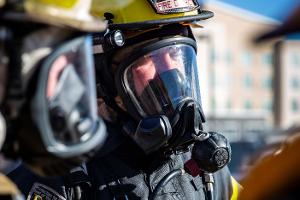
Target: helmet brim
(203, 14)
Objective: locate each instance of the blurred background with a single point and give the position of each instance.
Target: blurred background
(250, 92)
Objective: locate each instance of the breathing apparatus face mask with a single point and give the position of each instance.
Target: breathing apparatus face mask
(64, 107)
(160, 89)
(64, 126)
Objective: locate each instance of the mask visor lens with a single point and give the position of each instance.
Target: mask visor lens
(70, 93)
(160, 80)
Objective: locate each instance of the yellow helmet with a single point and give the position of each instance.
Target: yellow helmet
(72, 13)
(143, 13)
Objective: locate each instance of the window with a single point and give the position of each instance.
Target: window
(248, 81)
(247, 58)
(267, 105)
(295, 83)
(213, 56)
(295, 59)
(228, 57)
(227, 80)
(294, 105)
(267, 59)
(229, 104)
(247, 104)
(213, 103)
(267, 83)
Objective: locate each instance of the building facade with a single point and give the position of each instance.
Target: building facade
(236, 75)
(287, 85)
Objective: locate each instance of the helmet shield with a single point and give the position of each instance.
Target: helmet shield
(158, 81)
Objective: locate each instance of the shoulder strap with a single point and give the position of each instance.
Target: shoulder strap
(79, 183)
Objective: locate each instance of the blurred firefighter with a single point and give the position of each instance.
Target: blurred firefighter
(47, 90)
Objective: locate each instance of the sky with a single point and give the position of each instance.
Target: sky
(276, 9)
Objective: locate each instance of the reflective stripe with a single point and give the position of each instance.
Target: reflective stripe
(37, 197)
(7, 187)
(67, 4)
(235, 189)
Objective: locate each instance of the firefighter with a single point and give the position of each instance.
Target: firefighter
(47, 87)
(149, 97)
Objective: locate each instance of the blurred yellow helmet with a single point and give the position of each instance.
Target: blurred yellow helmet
(72, 13)
(145, 13)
